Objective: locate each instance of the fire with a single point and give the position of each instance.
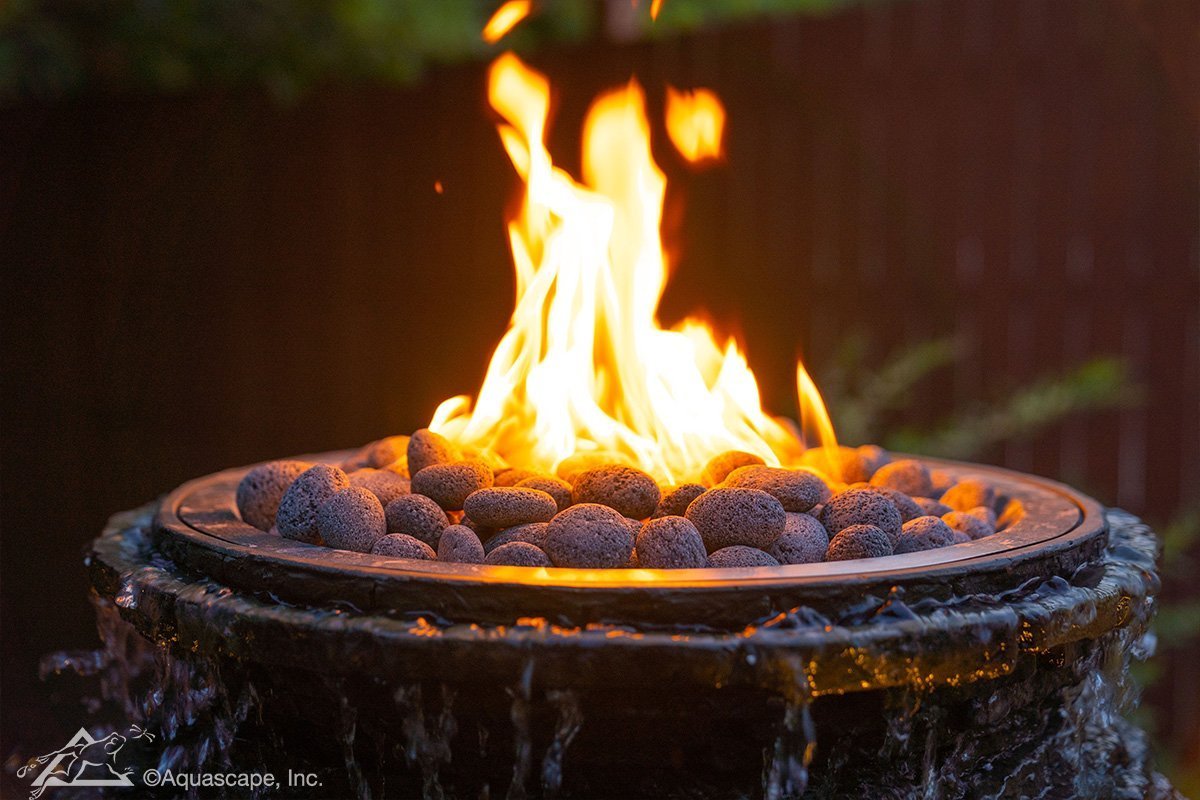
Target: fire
(584, 366)
(505, 19)
(695, 123)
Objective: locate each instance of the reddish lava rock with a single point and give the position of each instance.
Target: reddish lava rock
(351, 520)
(906, 475)
(589, 535)
(676, 499)
(859, 541)
(399, 545)
(804, 541)
(718, 469)
(297, 515)
(861, 507)
(557, 488)
(533, 533)
(505, 506)
(924, 533)
(727, 517)
(449, 485)
(260, 490)
(383, 483)
(795, 489)
(459, 544)
(630, 491)
(670, 543)
(971, 525)
(518, 554)
(739, 555)
(426, 448)
(417, 516)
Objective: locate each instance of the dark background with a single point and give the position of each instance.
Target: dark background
(215, 278)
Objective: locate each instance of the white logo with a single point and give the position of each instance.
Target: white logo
(83, 761)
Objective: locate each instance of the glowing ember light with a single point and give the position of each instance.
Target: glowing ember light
(655, 7)
(584, 366)
(437, 187)
(695, 123)
(505, 19)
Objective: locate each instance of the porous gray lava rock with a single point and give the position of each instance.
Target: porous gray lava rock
(907, 506)
(460, 545)
(931, 508)
(795, 489)
(985, 515)
(512, 476)
(718, 469)
(804, 541)
(570, 467)
(505, 506)
(297, 515)
(557, 488)
(589, 535)
(971, 525)
(941, 481)
(861, 507)
(533, 533)
(417, 516)
(449, 485)
(351, 520)
(260, 490)
(906, 475)
(859, 541)
(399, 545)
(960, 537)
(727, 517)
(846, 464)
(630, 491)
(381, 453)
(670, 543)
(426, 448)
(967, 494)
(383, 483)
(518, 554)
(739, 555)
(924, 533)
(676, 499)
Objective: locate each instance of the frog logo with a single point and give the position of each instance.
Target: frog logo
(83, 761)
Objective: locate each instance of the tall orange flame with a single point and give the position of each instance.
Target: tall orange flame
(584, 366)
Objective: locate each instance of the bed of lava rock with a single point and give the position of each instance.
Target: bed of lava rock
(422, 497)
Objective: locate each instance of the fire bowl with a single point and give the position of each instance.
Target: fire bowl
(997, 667)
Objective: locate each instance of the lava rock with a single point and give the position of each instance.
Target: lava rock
(931, 508)
(924, 533)
(676, 499)
(718, 469)
(670, 543)
(518, 554)
(971, 525)
(941, 481)
(426, 448)
(907, 506)
(859, 541)
(505, 506)
(384, 452)
(739, 555)
(260, 490)
(449, 485)
(351, 520)
(417, 516)
(589, 535)
(906, 475)
(399, 545)
(557, 488)
(845, 464)
(533, 533)
(795, 489)
(630, 491)
(512, 476)
(383, 483)
(570, 467)
(460, 545)
(861, 507)
(967, 494)
(727, 517)
(985, 515)
(960, 537)
(804, 541)
(297, 515)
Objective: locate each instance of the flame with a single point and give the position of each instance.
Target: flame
(505, 19)
(695, 123)
(584, 366)
(655, 7)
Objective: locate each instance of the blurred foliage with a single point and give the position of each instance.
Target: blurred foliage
(54, 48)
(871, 402)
